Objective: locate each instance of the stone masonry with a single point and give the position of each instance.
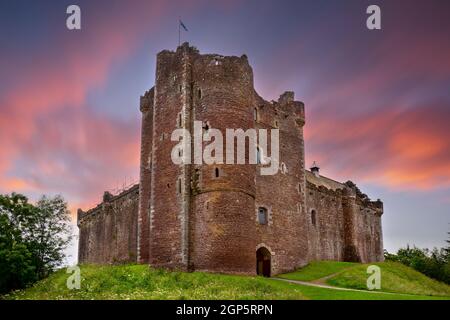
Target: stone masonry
(222, 217)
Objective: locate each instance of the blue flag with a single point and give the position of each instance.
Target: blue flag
(182, 24)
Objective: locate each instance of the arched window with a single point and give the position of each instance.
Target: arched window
(262, 215)
(313, 217)
(216, 172)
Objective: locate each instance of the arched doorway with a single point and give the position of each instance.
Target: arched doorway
(263, 262)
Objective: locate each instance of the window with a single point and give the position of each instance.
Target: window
(180, 120)
(262, 215)
(199, 93)
(276, 123)
(216, 172)
(180, 88)
(179, 185)
(255, 114)
(313, 217)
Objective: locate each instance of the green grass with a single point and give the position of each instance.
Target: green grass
(316, 270)
(315, 293)
(395, 277)
(143, 282)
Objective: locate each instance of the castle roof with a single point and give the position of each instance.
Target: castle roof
(323, 181)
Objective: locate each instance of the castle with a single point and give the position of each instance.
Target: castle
(221, 217)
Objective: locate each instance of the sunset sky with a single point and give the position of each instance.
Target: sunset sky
(377, 102)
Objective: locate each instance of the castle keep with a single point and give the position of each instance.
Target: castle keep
(222, 217)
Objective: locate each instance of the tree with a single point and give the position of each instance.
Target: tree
(16, 265)
(48, 234)
(32, 238)
(447, 248)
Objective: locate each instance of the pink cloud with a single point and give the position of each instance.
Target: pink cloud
(46, 126)
(402, 149)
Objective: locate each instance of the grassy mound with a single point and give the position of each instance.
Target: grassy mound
(143, 282)
(395, 277)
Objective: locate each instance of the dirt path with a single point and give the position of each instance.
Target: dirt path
(320, 285)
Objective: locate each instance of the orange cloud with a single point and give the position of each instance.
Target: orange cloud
(406, 149)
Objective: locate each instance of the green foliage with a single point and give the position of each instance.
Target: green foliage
(32, 238)
(433, 263)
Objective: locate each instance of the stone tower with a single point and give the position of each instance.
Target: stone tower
(196, 216)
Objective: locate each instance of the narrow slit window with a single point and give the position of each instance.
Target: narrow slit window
(262, 215)
(199, 93)
(179, 120)
(313, 217)
(216, 172)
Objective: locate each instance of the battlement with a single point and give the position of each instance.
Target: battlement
(108, 198)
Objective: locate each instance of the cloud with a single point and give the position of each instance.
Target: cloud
(52, 141)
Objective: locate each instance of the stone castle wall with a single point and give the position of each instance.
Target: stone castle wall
(345, 226)
(108, 232)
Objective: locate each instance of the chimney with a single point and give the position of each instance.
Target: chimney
(315, 169)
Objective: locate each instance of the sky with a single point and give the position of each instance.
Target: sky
(377, 101)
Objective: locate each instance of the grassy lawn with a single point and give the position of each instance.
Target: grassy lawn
(315, 293)
(143, 282)
(317, 269)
